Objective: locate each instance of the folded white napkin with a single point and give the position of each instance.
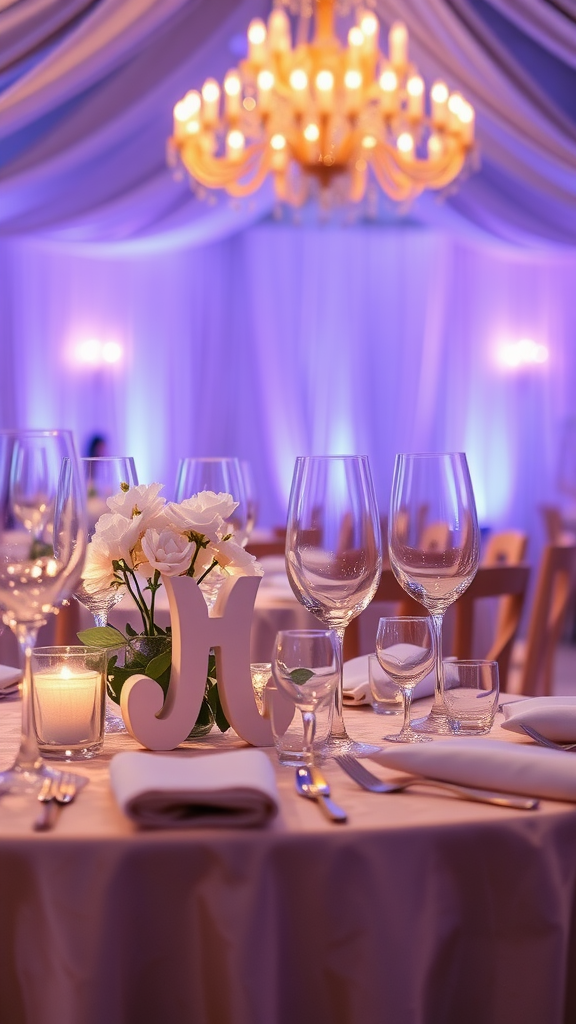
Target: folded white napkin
(357, 686)
(9, 679)
(229, 790)
(554, 717)
(490, 764)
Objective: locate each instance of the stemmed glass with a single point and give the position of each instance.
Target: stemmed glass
(334, 553)
(104, 477)
(306, 666)
(405, 650)
(251, 498)
(42, 550)
(434, 488)
(221, 475)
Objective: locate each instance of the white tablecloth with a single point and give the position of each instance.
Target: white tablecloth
(422, 910)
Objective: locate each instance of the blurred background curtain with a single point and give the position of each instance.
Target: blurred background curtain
(251, 335)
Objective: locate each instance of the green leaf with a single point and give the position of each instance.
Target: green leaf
(159, 664)
(102, 637)
(213, 699)
(130, 631)
(301, 676)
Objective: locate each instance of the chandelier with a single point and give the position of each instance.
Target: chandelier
(319, 117)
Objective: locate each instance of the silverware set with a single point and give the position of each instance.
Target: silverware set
(311, 783)
(543, 741)
(55, 793)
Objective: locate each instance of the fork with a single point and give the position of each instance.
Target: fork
(371, 782)
(543, 741)
(54, 793)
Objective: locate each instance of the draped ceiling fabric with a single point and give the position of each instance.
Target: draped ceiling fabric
(269, 339)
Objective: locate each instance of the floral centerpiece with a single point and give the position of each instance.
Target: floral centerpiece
(142, 538)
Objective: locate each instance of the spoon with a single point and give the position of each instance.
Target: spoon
(311, 784)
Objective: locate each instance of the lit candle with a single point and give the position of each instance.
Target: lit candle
(389, 92)
(265, 83)
(355, 46)
(439, 100)
(279, 31)
(232, 94)
(279, 149)
(235, 145)
(398, 45)
(299, 85)
(467, 119)
(415, 90)
(210, 102)
(257, 42)
(66, 706)
(455, 101)
(325, 91)
(353, 86)
(405, 144)
(370, 30)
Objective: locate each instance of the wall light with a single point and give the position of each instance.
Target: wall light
(517, 355)
(94, 353)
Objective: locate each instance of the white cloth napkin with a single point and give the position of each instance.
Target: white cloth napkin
(229, 790)
(357, 686)
(554, 717)
(9, 679)
(490, 764)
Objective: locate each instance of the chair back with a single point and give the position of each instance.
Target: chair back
(548, 615)
(500, 581)
(505, 548)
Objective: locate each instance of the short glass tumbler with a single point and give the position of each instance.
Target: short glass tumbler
(471, 696)
(68, 690)
(385, 696)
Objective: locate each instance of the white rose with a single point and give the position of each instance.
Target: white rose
(203, 513)
(166, 551)
(142, 503)
(98, 574)
(235, 560)
(119, 534)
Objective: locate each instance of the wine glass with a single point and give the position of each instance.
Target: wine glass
(434, 488)
(251, 498)
(334, 553)
(221, 475)
(42, 550)
(306, 666)
(405, 650)
(104, 477)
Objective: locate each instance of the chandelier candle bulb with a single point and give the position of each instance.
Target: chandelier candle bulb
(353, 87)
(232, 94)
(415, 91)
(257, 49)
(405, 144)
(455, 102)
(325, 91)
(299, 84)
(210, 102)
(389, 92)
(279, 149)
(279, 39)
(370, 30)
(439, 101)
(355, 46)
(235, 145)
(265, 83)
(467, 119)
(398, 45)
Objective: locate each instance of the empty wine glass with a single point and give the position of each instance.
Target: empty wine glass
(42, 549)
(306, 666)
(251, 498)
(221, 475)
(405, 650)
(433, 490)
(104, 477)
(334, 553)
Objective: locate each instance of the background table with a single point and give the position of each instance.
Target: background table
(424, 909)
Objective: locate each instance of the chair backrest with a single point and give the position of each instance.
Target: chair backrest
(504, 581)
(548, 615)
(389, 591)
(264, 549)
(552, 520)
(506, 548)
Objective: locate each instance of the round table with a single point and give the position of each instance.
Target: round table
(423, 909)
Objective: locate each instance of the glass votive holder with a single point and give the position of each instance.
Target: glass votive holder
(289, 741)
(385, 697)
(471, 691)
(260, 672)
(68, 691)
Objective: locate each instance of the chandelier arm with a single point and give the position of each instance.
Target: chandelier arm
(398, 189)
(434, 174)
(219, 172)
(239, 189)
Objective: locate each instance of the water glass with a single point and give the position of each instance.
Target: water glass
(68, 690)
(386, 697)
(306, 666)
(471, 696)
(289, 740)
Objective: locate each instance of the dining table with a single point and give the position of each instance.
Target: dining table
(422, 909)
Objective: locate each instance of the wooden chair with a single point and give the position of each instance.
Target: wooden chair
(390, 592)
(505, 548)
(508, 582)
(264, 549)
(549, 609)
